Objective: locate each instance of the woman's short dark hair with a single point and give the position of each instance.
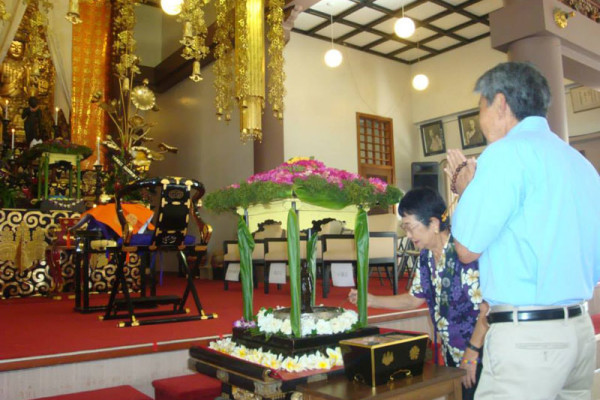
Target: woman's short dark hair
(525, 88)
(423, 204)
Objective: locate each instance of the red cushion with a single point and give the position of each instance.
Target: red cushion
(113, 393)
(187, 387)
(596, 321)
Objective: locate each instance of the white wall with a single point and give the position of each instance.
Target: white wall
(209, 150)
(321, 104)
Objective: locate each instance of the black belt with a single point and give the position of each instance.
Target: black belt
(534, 315)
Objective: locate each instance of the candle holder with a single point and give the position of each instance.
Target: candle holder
(98, 191)
(5, 136)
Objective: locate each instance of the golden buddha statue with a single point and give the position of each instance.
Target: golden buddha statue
(12, 71)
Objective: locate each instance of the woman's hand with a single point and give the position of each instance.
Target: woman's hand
(455, 159)
(353, 297)
(470, 378)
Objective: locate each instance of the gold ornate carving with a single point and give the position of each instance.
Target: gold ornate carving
(241, 394)
(388, 358)
(561, 17)
(414, 353)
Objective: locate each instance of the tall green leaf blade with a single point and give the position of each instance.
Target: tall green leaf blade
(246, 246)
(361, 236)
(293, 244)
(311, 260)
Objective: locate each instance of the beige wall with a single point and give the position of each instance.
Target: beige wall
(209, 150)
(321, 104)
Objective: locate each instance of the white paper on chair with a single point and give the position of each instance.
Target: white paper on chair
(342, 274)
(233, 272)
(277, 273)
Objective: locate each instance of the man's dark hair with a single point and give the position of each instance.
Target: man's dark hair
(524, 87)
(423, 204)
(33, 102)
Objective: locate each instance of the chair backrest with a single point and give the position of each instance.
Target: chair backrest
(176, 203)
(384, 223)
(382, 247)
(338, 247)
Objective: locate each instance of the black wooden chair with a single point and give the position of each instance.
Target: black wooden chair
(169, 235)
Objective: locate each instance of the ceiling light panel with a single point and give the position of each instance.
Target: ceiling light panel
(333, 7)
(421, 33)
(412, 54)
(338, 30)
(473, 31)
(442, 43)
(386, 26)
(484, 7)
(364, 16)
(450, 21)
(362, 39)
(306, 21)
(387, 47)
(393, 4)
(424, 11)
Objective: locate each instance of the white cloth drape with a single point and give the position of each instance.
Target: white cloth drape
(8, 29)
(60, 37)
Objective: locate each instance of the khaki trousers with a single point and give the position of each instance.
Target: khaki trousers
(539, 360)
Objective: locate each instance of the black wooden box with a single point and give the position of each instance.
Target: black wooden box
(378, 359)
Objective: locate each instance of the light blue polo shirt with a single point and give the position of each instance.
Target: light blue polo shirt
(533, 211)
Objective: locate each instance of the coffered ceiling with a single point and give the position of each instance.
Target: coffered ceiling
(368, 25)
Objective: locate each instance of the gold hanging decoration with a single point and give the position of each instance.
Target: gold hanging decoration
(73, 13)
(223, 66)
(194, 35)
(275, 88)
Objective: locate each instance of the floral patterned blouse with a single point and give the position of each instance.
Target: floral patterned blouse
(451, 290)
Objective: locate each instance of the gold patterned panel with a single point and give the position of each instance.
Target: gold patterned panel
(91, 66)
(24, 233)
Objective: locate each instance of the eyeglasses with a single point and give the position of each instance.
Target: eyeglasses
(410, 228)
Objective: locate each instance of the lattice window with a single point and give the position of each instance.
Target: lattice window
(375, 141)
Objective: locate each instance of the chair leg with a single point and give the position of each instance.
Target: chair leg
(266, 277)
(225, 281)
(190, 287)
(326, 277)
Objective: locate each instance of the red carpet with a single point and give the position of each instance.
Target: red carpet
(39, 326)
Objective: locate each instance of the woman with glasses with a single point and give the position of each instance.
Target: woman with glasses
(449, 287)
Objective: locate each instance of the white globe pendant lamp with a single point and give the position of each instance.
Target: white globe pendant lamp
(171, 7)
(404, 27)
(333, 57)
(420, 82)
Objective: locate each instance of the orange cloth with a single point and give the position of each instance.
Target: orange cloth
(91, 72)
(136, 214)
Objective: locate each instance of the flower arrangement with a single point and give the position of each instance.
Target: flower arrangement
(268, 324)
(310, 181)
(317, 360)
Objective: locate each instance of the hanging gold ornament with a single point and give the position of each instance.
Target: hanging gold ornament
(196, 76)
(73, 13)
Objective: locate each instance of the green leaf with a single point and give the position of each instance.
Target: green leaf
(361, 236)
(246, 245)
(293, 245)
(311, 260)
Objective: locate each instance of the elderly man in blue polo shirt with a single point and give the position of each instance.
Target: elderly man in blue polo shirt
(529, 211)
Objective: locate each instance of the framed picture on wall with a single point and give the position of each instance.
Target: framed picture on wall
(432, 135)
(470, 131)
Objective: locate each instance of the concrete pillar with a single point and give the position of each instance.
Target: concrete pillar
(545, 53)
